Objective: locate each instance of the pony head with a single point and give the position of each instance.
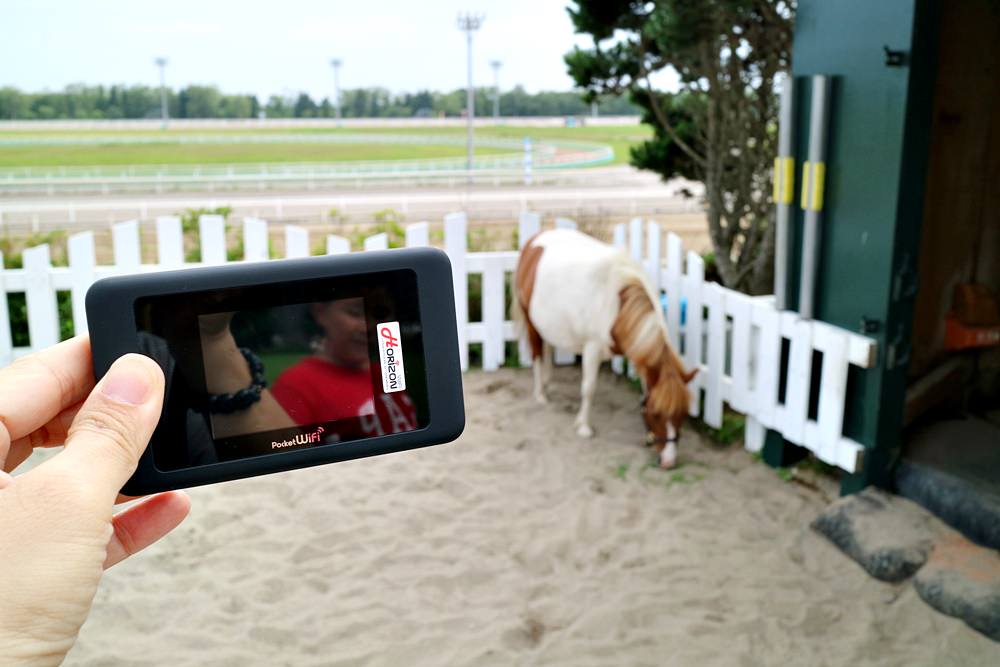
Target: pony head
(665, 407)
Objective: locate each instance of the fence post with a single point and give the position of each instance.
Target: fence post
(738, 306)
(296, 241)
(493, 314)
(337, 245)
(565, 223)
(618, 361)
(653, 266)
(528, 224)
(212, 233)
(377, 242)
(6, 343)
(694, 286)
(635, 239)
(799, 375)
(82, 265)
(767, 362)
(417, 235)
(125, 239)
(715, 299)
(43, 314)
(675, 260)
(255, 240)
(832, 389)
(455, 240)
(169, 241)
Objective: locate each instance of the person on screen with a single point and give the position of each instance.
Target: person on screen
(335, 383)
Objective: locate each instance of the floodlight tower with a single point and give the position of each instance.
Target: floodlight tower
(161, 62)
(496, 64)
(336, 63)
(469, 23)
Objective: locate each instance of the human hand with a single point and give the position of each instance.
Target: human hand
(57, 528)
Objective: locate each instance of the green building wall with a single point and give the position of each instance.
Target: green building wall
(876, 161)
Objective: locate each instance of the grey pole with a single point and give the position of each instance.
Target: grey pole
(496, 89)
(469, 23)
(162, 64)
(336, 63)
(814, 175)
(784, 188)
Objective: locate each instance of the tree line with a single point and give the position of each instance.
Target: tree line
(120, 101)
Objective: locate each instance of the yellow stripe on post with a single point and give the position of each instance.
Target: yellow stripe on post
(805, 184)
(788, 180)
(819, 176)
(776, 195)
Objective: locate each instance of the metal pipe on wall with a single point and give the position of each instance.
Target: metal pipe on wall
(784, 187)
(813, 180)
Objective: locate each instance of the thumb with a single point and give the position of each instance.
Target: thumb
(114, 424)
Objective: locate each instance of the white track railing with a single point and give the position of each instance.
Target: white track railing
(735, 340)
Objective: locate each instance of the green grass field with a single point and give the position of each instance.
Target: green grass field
(122, 154)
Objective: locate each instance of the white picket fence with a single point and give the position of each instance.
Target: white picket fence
(734, 340)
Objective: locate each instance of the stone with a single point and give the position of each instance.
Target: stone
(962, 579)
(889, 536)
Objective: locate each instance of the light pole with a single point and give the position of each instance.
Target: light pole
(161, 62)
(496, 89)
(469, 23)
(336, 63)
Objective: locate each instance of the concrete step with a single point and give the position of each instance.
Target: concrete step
(895, 539)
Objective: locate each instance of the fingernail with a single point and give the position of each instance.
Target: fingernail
(126, 384)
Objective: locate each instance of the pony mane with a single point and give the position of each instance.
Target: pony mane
(640, 332)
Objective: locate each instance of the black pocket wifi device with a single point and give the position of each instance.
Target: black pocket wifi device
(277, 365)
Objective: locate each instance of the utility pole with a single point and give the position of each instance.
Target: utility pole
(336, 63)
(496, 89)
(161, 62)
(469, 23)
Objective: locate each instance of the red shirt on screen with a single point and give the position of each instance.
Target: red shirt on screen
(315, 391)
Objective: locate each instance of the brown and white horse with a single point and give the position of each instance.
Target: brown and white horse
(576, 293)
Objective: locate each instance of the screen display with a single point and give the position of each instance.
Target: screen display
(273, 368)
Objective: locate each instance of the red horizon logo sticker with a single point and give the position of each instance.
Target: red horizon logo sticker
(390, 353)
(390, 340)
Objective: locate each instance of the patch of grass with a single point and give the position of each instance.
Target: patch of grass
(620, 138)
(388, 221)
(191, 230)
(13, 248)
(104, 155)
(732, 429)
(678, 477)
(620, 471)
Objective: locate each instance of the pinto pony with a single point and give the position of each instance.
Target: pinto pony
(576, 293)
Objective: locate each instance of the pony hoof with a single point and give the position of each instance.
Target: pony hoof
(584, 431)
(540, 399)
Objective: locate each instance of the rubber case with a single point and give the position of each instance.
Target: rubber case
(113, 333)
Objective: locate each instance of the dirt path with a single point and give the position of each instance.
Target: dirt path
(518, 545)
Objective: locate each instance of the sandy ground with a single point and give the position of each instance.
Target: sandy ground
(518, 545)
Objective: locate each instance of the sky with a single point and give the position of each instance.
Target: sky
(283, 47)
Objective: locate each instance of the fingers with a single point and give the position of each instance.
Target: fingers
(113, 426)
(141, 525)
(36, 388)
(49, 435)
